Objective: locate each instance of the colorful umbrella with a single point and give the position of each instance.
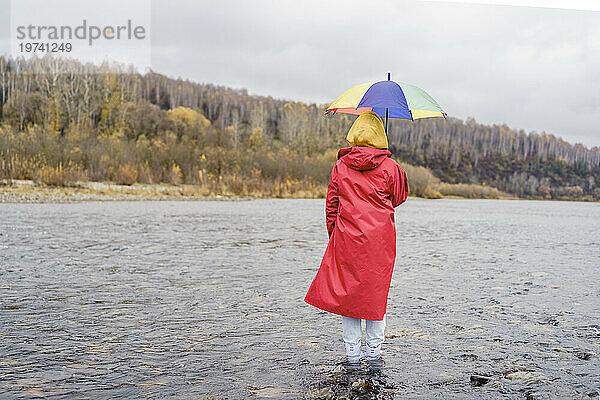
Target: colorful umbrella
(387, 99)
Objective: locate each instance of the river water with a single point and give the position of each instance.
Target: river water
(204, 299)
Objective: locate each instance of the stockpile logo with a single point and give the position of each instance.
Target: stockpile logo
(88, 31)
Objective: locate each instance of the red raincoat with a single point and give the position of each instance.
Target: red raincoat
(355, 274)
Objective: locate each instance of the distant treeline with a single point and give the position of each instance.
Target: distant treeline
(63, 121)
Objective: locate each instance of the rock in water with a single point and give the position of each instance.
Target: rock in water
(582, 355)
(480, 380)
(527, 376)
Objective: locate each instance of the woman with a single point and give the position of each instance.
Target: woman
(354, 277)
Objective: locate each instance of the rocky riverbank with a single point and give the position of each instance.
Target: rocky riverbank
(22, 191)
(27, 191)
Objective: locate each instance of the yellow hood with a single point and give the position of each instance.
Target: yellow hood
(368, 131)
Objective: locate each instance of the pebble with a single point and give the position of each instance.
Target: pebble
(480, 380)
(526, 376)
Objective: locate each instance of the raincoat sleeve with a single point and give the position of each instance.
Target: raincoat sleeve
(332, 201)
(399, 186)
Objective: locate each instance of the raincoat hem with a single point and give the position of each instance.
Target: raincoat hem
(343, 313)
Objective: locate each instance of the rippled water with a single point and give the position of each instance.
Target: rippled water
(204, 300)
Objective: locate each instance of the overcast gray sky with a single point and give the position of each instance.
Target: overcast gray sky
(531, 68)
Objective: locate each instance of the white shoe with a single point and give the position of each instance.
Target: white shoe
(353, 350)
(373, 353)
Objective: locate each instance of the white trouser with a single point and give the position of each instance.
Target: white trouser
(353, 335)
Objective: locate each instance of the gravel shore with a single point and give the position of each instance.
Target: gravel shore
(26, 191)
(22, 191)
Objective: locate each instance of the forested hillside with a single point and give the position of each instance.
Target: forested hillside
(69, 122)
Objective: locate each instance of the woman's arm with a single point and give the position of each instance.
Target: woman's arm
(332, 201)
(399, 186)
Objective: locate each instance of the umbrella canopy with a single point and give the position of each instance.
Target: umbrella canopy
(387, 99)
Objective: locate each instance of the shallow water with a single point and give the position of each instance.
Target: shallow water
(204, 300)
